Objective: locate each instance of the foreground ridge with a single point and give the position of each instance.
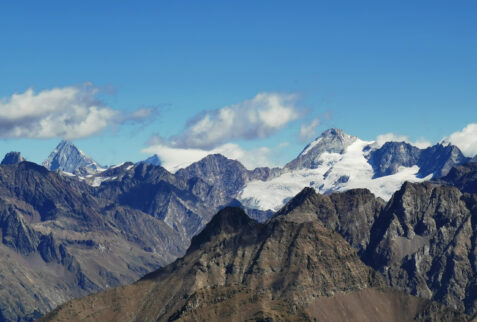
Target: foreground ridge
(239, 269)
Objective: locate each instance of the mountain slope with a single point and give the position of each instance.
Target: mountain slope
(238, 269)
(336, 161)
(463, 177)
(425, 243)
(68, 158)
(436, 160)
(59, 241)
(423, 240)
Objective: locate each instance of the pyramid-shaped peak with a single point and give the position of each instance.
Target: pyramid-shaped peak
(332, 141)
(12, 158)
(68, 158)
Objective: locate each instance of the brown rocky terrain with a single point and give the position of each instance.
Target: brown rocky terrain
(240, 270)
(423, 240)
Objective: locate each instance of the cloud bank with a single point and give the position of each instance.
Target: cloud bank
(174, 159)
(308, 131)
(258, 117)
(69, 112)
(387, 137)
(465, 140)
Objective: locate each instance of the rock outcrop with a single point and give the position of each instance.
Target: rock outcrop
(239, 269)
(12, 158)
(423, 240)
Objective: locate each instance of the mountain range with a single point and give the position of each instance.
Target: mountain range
(307, 263)
(72, 227)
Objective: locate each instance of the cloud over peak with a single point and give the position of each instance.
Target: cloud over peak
(391, 137)
(465, 140)
(68, 112)
(258, 117)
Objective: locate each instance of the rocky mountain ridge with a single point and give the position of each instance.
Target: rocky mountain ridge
(422, 240)
(336, 161)
(145, 208)
(239, 269)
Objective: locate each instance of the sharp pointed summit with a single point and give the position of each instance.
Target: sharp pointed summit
(331, 141)
(68, 158)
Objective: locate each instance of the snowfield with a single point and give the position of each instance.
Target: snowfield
(337, 172)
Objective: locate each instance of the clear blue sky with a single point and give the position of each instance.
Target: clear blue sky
(407, 67)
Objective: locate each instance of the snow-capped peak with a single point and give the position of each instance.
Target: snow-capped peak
(67, 157)
(332, 137)
(330, 141)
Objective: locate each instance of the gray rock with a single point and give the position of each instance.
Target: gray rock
(436, 160)
(332, 140)
(68, 158)
(12, 158)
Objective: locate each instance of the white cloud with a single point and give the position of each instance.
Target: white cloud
(174, 159)
(308, 131)
(141, 114)
(387, 137)
(465, 140)
(68, 112)
(258, 117)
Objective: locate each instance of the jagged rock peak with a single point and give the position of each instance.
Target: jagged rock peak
(296, 201)
(335, 138)
(12, 158)
(68, 158)
(227, 221)
(332, 141)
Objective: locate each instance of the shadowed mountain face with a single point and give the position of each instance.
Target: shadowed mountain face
(436, 160)
(351, 213)
(423, 240)
(60, 239)
(68, 239)
(463, 177)
(12, 158)
(239, 269)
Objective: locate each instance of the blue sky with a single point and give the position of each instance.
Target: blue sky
(368, 67)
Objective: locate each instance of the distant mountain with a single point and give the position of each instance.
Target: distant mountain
(61, 239)
(128, 204)
(154, 160)
(463, 177)
(68, 158)
(12, 158)
(336, 161)
(330, 141)
(436, 160)
(240, 270)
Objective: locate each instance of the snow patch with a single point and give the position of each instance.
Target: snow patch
(337, 172)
